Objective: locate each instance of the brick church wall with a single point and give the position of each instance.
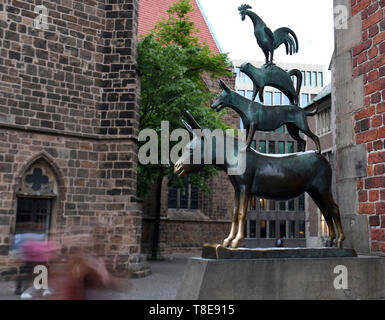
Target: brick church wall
(369, 121)
(71, 95)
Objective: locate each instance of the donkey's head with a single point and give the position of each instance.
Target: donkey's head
(224, 98)
(243, 10)
(186, 162)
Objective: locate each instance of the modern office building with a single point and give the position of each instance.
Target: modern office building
(268, 220)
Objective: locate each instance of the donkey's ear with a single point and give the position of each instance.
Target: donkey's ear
(192, 121)
(188, 128)
(223, 86)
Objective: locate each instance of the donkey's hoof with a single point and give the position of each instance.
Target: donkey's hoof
(226, 243)
(235, 243)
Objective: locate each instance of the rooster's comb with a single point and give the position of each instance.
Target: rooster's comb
(244, 7)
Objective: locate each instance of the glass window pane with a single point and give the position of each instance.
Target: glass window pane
(281, 129)
(282, 229)
(263, 224)
(253, 229)
(184, 198)
(314, 79)
(286, 100)
(308, 78)
(249, 94)
(282, 206)
(281, 147)
(277, 98)
(304, 99)
(320, 79)
(291, 229)
(238, 72)
(303, 78)
(269, 98)
(253, 144)
(290, 147)
(241, 92)
(272, 147)
(302, 231)
(272, 205)
(241, 126)
(291, 205)
(272, 229)
(263, 204)
(172, 197)
(262, 146)
(194, 198)
(301, 203)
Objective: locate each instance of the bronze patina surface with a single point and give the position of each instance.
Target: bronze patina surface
(256, 116)
(267, 39)
(273, 76)
(218, 252)
(272, 177)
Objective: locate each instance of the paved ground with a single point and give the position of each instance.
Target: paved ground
(162, 284)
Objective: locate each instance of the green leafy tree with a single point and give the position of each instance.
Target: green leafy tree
(172, 61)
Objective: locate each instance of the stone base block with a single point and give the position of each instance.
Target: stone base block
(284, 279)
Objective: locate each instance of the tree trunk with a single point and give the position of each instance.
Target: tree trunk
(156, 235)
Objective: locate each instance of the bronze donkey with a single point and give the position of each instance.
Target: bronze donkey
(270, 177)
(256, 116)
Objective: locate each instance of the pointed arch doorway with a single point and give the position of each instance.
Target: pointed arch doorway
(37, 198)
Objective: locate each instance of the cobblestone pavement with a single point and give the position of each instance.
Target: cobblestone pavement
(162, 284)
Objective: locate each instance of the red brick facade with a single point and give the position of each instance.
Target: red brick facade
(369, 60)
(151, 11)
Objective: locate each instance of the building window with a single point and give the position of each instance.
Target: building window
(272, 229)
(249, 94)
(282, 206)
(281, 129)
(253, 229)
(320, 79)
(291, 205)
(304, 99)
(301, 229)
(281, 147)
(308, 78)
(241, 92)
(183, 199)
(286, 100)
(33, 215)
(262, 146)
(271, 205)
(301, 203)
(269, 98)
(277, 98)
(263, 229)
(263, 204)
(253, 144)
(303, 78)
(272, 147)
(282, 229)
(314, 79)
(324, 121)
(291, 229)
(290, 147)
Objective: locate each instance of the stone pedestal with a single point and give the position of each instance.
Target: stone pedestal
(283, 279)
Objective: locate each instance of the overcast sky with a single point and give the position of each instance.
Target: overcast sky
(311, 20)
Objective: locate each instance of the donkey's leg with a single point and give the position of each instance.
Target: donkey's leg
(234, 222)
(294, 132)
(243, 203)
(334, 213)
(323, 202)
